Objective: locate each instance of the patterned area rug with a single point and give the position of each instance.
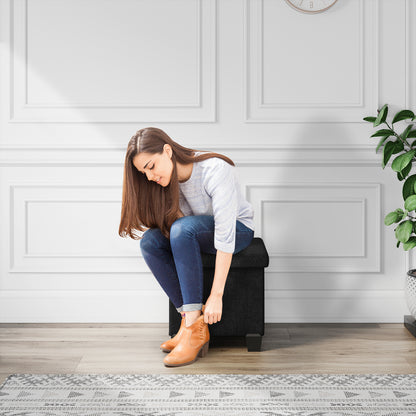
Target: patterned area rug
(212, 394)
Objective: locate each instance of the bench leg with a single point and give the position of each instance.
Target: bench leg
(253, 342)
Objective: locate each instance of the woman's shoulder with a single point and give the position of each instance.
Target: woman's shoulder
(215, 170)
(214, 163)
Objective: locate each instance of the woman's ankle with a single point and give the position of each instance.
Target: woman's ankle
(191, 317)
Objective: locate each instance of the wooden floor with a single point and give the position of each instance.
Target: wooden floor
(134, 348)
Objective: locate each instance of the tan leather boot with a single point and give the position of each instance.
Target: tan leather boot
(193, 343)
(170, 344)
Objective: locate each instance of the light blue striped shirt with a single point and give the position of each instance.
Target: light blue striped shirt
(213, 189)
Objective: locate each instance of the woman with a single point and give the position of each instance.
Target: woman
(186, 202)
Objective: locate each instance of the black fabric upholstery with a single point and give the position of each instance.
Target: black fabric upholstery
(255, 255)
(243, 299)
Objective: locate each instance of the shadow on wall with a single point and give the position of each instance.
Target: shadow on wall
(321, 233)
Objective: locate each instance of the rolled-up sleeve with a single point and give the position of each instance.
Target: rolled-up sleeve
(221, 187)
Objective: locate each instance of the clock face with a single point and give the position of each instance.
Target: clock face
(311, 6)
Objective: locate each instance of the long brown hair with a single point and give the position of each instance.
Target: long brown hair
(145, 204)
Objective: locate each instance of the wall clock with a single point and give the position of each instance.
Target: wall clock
(311, 6)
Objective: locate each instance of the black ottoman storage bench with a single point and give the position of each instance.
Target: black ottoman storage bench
(243, 299)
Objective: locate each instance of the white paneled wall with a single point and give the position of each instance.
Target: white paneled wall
(333, 79)
(281, 92)
(122, 52)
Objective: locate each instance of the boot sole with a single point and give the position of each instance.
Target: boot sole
(201, 353)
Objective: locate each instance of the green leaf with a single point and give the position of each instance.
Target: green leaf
(391, 218)
(411, 134)
(409, 244)
(387, 152)
(382, 115)
(402, 175)
(381, 142)
(370, 119)
(406, 132)
(383, 132)
(403, 115)
(401, 214)
(404, 230)
(410, 203)
(409, 187)
(398, 147)
(400, 162)
(398, 243)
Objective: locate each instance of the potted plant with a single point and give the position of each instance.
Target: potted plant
(402, 148)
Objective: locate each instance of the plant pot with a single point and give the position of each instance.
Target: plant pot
(410, 291)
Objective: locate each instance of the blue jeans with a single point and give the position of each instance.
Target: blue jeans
(176, 262)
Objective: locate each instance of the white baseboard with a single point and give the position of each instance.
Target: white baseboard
(150, 306)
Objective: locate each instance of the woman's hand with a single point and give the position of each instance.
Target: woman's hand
(213, 309)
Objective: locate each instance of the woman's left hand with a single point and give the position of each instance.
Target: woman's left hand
(213, 309)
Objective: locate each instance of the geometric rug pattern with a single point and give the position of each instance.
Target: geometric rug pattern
(208, 395)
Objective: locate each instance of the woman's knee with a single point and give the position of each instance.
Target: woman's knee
(150, 239)
(182, 227)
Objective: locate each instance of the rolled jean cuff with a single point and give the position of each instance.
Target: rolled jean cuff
(180, 309)
(192, 307)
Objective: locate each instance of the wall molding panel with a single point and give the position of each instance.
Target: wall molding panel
(39, 240)
(352, 207)
(200, 108)
(343, 110)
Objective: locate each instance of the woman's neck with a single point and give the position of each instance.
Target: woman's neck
(184, 171)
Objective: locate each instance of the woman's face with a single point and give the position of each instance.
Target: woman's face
(157, 167)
